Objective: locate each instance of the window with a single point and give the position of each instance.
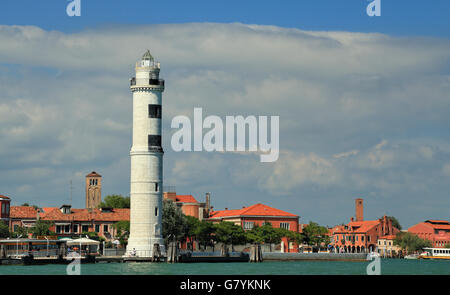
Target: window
(105, 228)
(75, 228)
(156, 211)
(97, 228)
(85, 228)
(67, 229)
(248, 225)
(3, 208)
(285, 225)
(154, 111)
(15, 228)
(154, 140)
(59, 229)
(156, 187)
(362, 238)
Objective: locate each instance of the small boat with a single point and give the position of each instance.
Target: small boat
(412, 256)
(436, 253)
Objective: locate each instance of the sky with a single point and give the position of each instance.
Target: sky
(363, 101)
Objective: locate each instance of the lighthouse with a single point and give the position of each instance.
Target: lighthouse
(146, 160)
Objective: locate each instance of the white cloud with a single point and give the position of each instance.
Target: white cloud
(359, 113)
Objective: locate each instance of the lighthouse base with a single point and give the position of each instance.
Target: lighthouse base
(143, 247)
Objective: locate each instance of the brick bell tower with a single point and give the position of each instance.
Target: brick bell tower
(93, 190)
(359, 209)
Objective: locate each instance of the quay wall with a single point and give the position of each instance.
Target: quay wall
(267, 256)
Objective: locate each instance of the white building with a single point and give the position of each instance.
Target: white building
(146, 160)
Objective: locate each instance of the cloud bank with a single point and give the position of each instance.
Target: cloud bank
(361, 115)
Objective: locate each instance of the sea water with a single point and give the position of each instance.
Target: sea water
(388, 267)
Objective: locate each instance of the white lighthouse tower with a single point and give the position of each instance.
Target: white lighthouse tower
(146, 160)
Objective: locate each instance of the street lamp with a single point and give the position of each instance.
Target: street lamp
(47, 246)
(17, 245)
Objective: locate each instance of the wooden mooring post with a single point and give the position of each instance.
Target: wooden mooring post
(156, 253)
(172, 252)
(256, 253)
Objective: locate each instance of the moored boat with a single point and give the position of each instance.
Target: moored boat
(435, 253)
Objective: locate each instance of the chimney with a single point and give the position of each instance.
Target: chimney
(359, 209)
(208, 202)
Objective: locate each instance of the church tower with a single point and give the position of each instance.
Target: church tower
(93, 190)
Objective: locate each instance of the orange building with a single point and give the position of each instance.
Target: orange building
(5, 209)
(436, 231)
(259, 214)
(70, 222)
(359, 236)
(189, 205)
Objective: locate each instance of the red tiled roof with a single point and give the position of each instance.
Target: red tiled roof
(437, 221)
(254, 210)
(84, 215)
(93, 174)
(186, 199)
(4, 197)
(22, 212)
(356, 226)
(363, 226)
(439, 224)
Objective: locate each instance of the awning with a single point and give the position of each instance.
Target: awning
(82, 241)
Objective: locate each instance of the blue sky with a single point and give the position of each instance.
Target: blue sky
(363, 101)
(399, 17)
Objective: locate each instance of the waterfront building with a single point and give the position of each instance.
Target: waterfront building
(70, 222)
(436, 231)
(386, 247)
(146, 179)
(93, 190)
(22, 216)
(258, 215)
(189, 205)
(5, 208)
(360, 235)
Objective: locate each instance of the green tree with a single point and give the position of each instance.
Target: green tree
(122, 231)
(205, 234)
(4, 230)
(229, 233)
(20, 231)
(254, 235)
(265, 234)
(410, 242)
(41, 228)
(115, 201)
(447, 246)
(315, 235)
(190, 227)
(173, 222)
